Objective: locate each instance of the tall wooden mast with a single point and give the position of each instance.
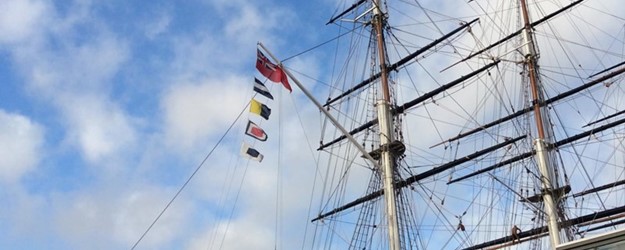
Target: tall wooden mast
(547, 173)
(386, 136)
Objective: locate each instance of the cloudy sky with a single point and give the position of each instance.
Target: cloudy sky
(107, 107)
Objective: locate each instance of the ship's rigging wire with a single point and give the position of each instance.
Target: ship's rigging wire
(432, 77)
(318, 174)
(321, 44)
(498, 24)
(503, 95)
(222, 199)
(171, 201)
(326, 122)
(590, 95)
(596, 102)
(235, 201)
(279, 194)
(341, 188)
(442, 210)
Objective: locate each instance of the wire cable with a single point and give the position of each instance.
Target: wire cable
(190, 177)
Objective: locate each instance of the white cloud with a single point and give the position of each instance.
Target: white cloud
(101, 129)
(124, 214)
(241, 233)
(20, 19)
(158, 26)
(76, 68)
(250, 24)
(195, 57)
(243, 24)
(76, 79)
(21, 142)
(24, 218)
(288, 171)
(77, 84)
(74, 75)
(196, 111)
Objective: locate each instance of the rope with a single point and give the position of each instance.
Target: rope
(189, 179)
(319, 45)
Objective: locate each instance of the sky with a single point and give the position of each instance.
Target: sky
(108, 107)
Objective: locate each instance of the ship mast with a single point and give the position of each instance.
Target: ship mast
(386, 136)
(542, 151)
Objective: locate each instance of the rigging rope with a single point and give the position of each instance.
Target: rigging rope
(319, 45)
(189, 179)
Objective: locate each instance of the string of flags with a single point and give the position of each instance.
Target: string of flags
(275, 74)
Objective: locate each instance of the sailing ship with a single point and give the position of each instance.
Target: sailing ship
(499, 125)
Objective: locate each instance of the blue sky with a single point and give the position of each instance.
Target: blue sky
(106, 107)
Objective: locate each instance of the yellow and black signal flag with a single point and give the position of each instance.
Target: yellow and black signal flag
(260, 109)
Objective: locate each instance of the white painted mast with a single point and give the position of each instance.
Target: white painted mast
(385, 121)
(542, 151)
